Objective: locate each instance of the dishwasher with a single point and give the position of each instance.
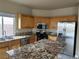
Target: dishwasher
(23, 41)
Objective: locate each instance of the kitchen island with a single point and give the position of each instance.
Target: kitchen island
(43, 49)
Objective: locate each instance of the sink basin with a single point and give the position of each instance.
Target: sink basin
(9, 37)
(6, 38)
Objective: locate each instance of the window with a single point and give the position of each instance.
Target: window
(6, 25)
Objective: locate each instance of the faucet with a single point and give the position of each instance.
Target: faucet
(4, 33)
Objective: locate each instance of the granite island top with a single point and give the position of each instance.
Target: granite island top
(43, 49)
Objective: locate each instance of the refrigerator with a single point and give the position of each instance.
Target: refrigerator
(68, 29)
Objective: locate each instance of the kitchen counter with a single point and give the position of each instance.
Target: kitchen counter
(14, 38)
(43, 49)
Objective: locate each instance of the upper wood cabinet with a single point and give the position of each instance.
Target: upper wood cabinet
(25, 22)
(41, 20)
(29, 22)
(54, 21)
(64, 18)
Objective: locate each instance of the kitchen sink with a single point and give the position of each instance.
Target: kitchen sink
(6, 38)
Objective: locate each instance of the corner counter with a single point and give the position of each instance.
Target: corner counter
(9, 44)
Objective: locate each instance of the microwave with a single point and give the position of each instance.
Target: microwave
(42, 26)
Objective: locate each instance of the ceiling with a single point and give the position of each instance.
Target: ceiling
(47, 4)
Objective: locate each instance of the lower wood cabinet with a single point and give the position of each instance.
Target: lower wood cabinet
(8, 45)
(32, 39)
(3, 54)
(14, 44)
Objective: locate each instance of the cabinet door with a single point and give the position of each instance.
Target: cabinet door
(53, 23)
(32, 39)
(36, 21)
(45, 20)
(27, 22)
(3, 54)
(55, 20)
(14, 44)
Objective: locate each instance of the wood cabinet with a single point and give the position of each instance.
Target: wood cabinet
(41, 20)
(14, 44)
(25, 22)
(29, 22)
(53, 25)
(3, 49)
(8, 45)
(3, 44)
(3, 54)
(55, 20)
(32, 39)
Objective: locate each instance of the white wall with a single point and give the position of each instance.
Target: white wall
(64, 11)
(6, 6)
(37, 12)
(57, 12)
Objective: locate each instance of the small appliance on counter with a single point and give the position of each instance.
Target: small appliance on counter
(41, 33)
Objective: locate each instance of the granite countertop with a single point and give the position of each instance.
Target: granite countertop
(43, 49)
(14, 38)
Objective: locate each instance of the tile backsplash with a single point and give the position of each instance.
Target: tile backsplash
(24, 32)
(32, 31)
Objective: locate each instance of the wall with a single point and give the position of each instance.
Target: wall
(64, 11)
(57, 12)
(37, 12)
(6, 6)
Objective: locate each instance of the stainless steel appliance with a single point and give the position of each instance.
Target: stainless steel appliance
(68, 29)
(42, 26)
(41, 33)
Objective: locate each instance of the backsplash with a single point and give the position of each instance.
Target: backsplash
(33, 31)
(24, 32)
